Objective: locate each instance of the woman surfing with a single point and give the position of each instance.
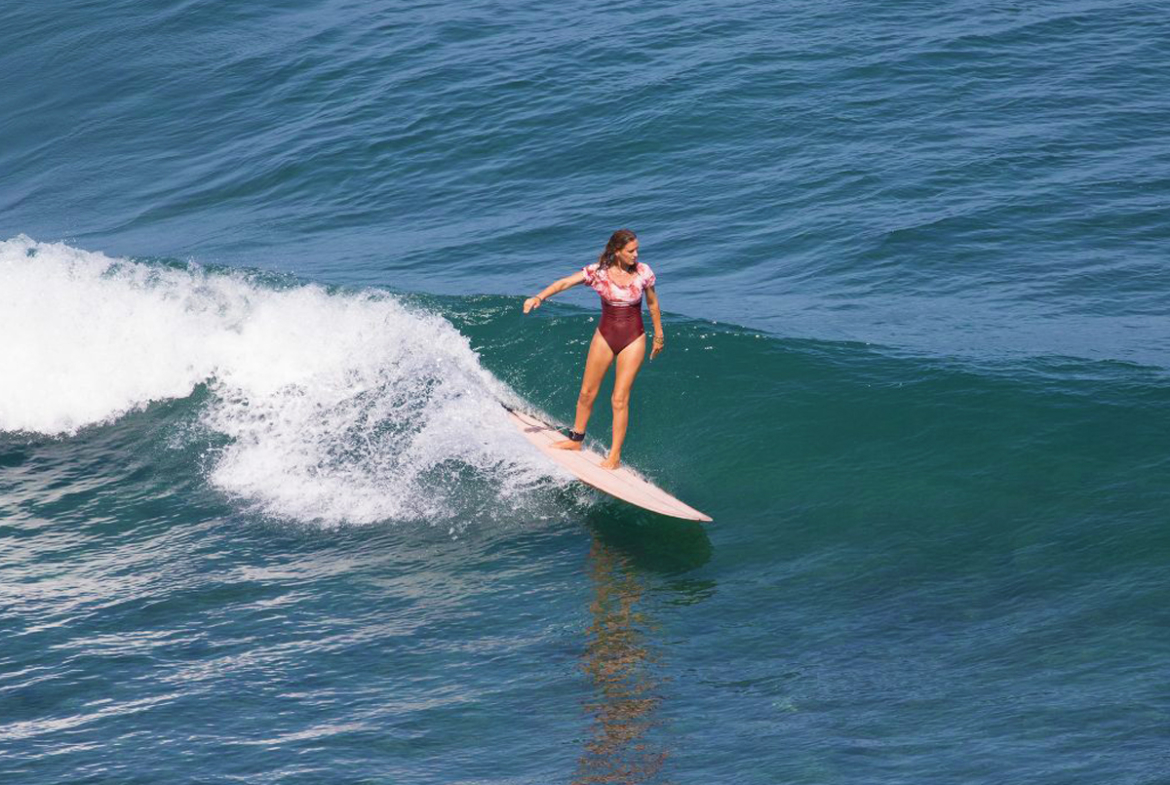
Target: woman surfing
(620, 279)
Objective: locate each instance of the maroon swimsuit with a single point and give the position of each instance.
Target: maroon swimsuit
(621, 325)
(621, 306)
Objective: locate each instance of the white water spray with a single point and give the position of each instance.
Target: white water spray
(336, 406)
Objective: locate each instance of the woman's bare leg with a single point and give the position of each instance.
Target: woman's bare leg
(596, 364)
(628, 363)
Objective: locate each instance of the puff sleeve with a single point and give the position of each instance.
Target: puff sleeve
(647, 274)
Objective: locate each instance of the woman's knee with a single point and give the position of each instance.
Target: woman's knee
(620, 402)
(587, 396)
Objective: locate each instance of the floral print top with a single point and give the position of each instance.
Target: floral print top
(612, 293)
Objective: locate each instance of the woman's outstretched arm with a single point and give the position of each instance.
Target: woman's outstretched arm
(656, 316)
(568, 282)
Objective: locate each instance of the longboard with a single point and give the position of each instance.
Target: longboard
(620, 483)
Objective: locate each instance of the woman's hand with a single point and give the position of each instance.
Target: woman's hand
(531, 303)
(658, 345)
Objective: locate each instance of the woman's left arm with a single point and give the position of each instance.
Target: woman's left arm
(656, 316)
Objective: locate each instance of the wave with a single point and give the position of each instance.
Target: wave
(311, 403)
(327, 405)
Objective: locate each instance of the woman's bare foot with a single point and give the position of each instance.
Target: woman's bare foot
(610, 462)
(567, 444)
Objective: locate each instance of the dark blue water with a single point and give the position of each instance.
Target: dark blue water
(262, 519)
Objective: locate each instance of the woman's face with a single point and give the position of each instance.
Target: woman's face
(628, 255)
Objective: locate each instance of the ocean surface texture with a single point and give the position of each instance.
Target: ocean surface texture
(263, 521)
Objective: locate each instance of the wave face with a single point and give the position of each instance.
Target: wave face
(331, 406)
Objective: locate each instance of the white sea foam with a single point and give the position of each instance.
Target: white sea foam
(336, 406)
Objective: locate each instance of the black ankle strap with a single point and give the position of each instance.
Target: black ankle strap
(576, 437)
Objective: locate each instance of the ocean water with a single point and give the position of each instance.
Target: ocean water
(262, 519)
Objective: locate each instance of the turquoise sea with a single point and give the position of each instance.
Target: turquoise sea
(262, 519)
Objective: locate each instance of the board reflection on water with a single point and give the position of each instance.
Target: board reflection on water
(621, 657)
